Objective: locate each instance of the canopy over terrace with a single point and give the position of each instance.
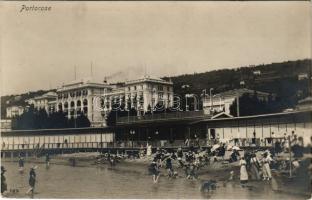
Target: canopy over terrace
(170, 127)
(254, 128)
(257, 129)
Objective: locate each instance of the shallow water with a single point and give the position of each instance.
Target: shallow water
(60, 181)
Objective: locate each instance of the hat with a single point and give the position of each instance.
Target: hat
(34, 167)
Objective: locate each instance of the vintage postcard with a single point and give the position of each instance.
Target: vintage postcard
(156, 100)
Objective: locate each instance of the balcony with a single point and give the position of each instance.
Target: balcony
(161, 117)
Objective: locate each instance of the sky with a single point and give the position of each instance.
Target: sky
(40, 50)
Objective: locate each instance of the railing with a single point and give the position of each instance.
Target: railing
(39, 148)
(161, 116)
(126, 144)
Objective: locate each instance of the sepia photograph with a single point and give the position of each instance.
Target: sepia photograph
(156, 99)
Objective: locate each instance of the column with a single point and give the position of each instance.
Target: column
(90, 111)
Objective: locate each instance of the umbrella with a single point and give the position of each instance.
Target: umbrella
(236, 148)
(214, 147)
(224, 140)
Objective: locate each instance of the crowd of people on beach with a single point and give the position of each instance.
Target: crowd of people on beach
(254, 163)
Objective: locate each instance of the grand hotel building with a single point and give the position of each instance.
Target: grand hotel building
(95, 100)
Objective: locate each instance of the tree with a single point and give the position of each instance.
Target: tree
(40, 119)
(111, 118)
(253, 106)
(82, 121)
(58, 120)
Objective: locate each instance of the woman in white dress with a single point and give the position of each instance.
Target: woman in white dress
(266, 167)
(243, 171)
(255, 166)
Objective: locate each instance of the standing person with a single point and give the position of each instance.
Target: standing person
(158, 157)
(191, 171)
(255, 167)
(243, 171)
(32, 179)
(47, 160)
(21, 163)
(180, 156)
(221, 152)
(148, 150)
(169, 167)
(266, 167)
(278, 147)
(3, 180)
(234, 155)
(247, 157)
(154, 169)
(197, 140)
(187, 142)
(141, 151)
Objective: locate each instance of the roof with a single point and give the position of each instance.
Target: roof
(49, 95)
(254, 117)
(83, 83)
(306, 100)
(242, 91)
(148, 79)
(221, 115)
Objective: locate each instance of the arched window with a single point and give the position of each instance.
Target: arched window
(72, 105)
(102, 103)
(66, 106)
(78, 93)
(85, 92)
(85, 102)
(85, 106)
(78, 103)
(72, 94)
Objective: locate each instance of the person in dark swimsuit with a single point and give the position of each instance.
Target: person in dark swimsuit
(154, 170)
(169, 167)
(32, 180)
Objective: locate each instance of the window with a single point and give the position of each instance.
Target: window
(72, 105)
(72, 94)
(65, 107)
(135, 87)
(85, 103)
(160, 88)
(78, 103)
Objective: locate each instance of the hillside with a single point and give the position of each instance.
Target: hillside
(18, 100)
(279, 78)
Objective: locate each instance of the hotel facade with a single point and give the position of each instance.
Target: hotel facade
(96, 99)
(141, 94)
